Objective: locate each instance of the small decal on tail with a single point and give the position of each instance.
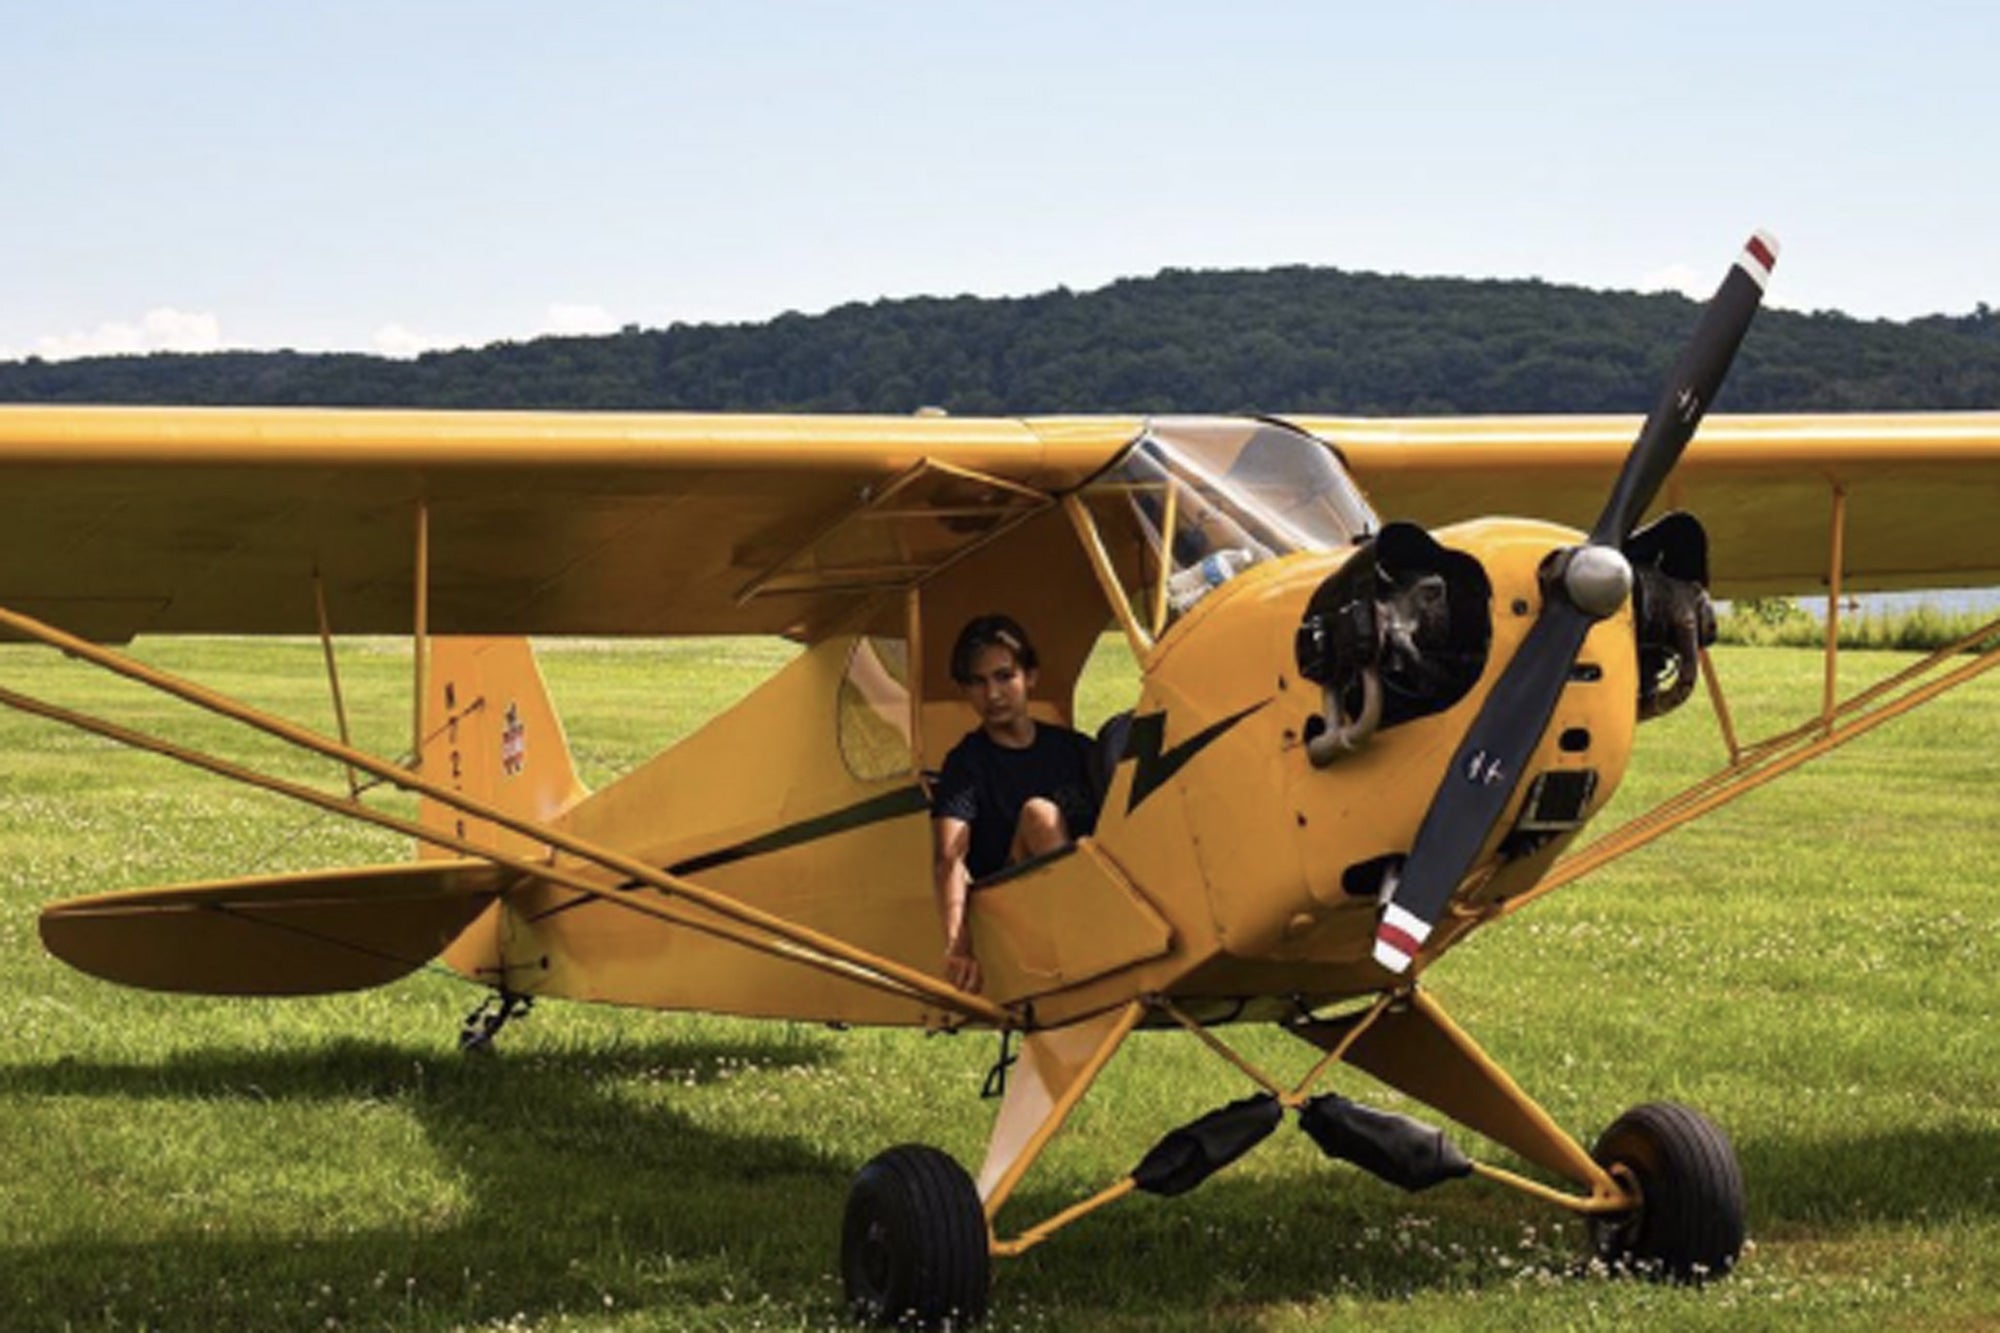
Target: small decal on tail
(513, 742)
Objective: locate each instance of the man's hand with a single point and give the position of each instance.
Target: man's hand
(953, 837)
(961, 969)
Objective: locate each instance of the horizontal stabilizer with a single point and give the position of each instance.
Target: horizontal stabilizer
(309, 934)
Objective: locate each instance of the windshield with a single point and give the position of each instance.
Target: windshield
(1196, 502)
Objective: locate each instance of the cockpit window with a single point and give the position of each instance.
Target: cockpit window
(874, 709)
(1194, 503)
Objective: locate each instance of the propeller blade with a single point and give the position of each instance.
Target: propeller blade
(1690, 389)
(1481, 780)
(1486, 768)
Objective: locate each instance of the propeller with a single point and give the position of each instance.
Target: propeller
(1580, 586)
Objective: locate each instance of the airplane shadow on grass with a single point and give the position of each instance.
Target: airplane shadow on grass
(1242, 1244)
(577, 1192)
(567, 1184)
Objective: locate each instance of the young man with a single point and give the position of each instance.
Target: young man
(1012, 789)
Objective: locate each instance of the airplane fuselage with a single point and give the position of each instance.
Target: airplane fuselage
(1270, 868)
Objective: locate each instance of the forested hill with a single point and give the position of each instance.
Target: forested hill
(1291, 339)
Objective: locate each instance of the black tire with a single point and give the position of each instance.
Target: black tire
(1688, 1226)
(913, 1243)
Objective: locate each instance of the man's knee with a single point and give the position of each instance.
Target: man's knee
(1041, 827)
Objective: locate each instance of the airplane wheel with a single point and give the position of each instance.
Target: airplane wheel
(913, 1243)
(1688, 1226)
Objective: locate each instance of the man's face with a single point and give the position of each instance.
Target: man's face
(998, 687)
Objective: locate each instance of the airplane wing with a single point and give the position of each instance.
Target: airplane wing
(1920, 489)
(120, 521)
(116, 522)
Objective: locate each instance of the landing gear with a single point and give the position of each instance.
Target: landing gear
(477, 1033)
(913, 1246)
(1688, 1226)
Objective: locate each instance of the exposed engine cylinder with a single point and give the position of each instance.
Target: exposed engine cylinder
(1399, 632)
(1673, 621)
(1672, 618)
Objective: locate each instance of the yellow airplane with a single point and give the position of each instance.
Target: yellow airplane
(1355, 741)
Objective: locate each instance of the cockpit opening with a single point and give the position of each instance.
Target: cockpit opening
(1195, 502)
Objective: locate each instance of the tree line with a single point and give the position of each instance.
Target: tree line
(1293, 339)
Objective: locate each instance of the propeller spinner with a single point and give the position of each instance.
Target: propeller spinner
(1581, 586)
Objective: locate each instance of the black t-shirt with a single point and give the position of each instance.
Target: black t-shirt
(985, 784)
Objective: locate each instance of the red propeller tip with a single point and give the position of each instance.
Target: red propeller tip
(1398, 937)
(1759, 257)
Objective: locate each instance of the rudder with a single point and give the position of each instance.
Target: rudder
(491, 733)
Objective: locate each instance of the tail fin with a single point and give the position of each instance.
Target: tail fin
(491, 732)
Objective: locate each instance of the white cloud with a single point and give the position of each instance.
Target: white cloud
(402, 341)
(1682, 278)
(561, 318)
(166, 329)
(574, 320)
(161, 329)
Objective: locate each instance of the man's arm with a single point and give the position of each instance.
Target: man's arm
(951, 839)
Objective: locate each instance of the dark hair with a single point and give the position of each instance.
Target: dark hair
(990, 632)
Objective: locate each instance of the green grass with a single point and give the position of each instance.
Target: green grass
(1818, 968)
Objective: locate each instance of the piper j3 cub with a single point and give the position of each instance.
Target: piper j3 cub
(1355, 742)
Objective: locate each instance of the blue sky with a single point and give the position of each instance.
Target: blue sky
(392, 176)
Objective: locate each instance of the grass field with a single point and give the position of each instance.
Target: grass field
(1818, 968)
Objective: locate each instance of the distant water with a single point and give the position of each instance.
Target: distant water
(1951, 601)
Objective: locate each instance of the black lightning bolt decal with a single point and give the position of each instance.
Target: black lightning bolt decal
(1151, 768)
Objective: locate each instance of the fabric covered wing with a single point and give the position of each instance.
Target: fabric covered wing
(118, 521)
(1921, 490)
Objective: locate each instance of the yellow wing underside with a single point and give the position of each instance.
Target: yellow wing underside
(1921, 489)
(123, 521)
(120, 521)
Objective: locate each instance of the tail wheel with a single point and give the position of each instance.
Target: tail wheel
(1688, 1226)
(913, 1245)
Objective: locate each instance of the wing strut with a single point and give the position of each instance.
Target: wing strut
(780, 936)
(534, 869)
(333, 679)
(420, 632)
(1752, 766)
